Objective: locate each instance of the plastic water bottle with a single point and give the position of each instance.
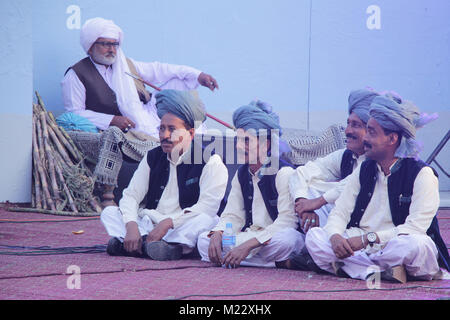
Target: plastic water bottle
(228, 240)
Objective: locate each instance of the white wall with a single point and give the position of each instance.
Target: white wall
(16, 84)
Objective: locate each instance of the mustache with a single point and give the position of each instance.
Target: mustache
(166, 141)
(367, 145)
(349, 135)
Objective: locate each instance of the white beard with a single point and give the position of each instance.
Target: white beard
(105, 60)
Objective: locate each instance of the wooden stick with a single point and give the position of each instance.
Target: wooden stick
(36, 183)
(43, 178)
(66, 190)
(50, 159)
(159, 89)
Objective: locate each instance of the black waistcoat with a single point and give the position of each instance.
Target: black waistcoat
(400, 190)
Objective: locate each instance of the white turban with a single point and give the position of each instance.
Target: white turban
(99, 28)
(123, 85)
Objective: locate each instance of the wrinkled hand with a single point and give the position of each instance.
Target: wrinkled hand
(356, 243)
(341, 247)
(123, 123)
(160, 230)
(234, 258)
(133, 239)
(215, 248)
(309, 220)
(305, 205)
(208, 81)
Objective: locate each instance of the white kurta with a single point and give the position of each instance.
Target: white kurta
(187, 226)
(74, 92)
(279, 238)
(406, 244)
(322, 175)
(213, 183)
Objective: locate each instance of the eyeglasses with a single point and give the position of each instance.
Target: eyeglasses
(108, 45)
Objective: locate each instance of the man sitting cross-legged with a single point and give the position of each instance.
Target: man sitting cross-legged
(259, 205)
(182, 197)
(385, 220)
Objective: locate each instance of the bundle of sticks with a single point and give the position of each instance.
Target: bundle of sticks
(62, 184)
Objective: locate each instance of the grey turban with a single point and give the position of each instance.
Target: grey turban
(183, 104)
(393, 114)
(257, 115)
(359, 102)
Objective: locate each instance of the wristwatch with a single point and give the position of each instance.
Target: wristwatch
(372, 238)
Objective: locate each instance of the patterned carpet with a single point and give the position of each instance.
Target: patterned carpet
(122, 278)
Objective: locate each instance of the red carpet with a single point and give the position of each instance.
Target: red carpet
(119, 278)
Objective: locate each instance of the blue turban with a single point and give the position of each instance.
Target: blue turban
(182, 104)
(394, 114)
(73, 122)
(257, 115)
(359, 102)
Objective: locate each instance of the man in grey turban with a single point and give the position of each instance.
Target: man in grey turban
(384, 224)
(318, 184)
(182, 196)
(259, 207)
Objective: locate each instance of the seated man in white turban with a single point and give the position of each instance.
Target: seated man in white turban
(99, 89)
(384, 223)
(259, 207)
(316, 185)
(182, 195)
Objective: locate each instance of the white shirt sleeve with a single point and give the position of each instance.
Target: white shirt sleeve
(74, 99)
(135, 192)
(213, 184)
(423, 208)
(340, 215)
(326, 169)
(287, 218)
(158, 73)
(234, 211)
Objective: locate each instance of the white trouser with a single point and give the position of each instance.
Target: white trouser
(279, 248)
(417, 253)
(186, 234)
(324, 210)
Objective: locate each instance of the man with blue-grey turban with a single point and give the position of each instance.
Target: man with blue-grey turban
(182, 196)
(384, 224)
(259, 210)
(318, 184)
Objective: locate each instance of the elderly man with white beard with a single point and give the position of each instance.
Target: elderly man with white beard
(98, 89)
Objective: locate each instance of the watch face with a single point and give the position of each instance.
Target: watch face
(371, 237)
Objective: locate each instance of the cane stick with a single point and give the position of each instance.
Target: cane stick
(159, 89)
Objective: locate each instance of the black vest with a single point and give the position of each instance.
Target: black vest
(188, 177)
(99, 96)
(268, 190)
(400, 190)
(347, 163)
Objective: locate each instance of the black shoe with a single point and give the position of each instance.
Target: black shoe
(115, 248)
(163, 251)
(303, 261)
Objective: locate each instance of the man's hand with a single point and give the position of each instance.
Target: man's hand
(123, 123)
(207, 81)
(234, 258)
(356, 243)
(305, 205)
(160, 230)
(215, 248)
(340, 246)
(133, 239)
(309, 220)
